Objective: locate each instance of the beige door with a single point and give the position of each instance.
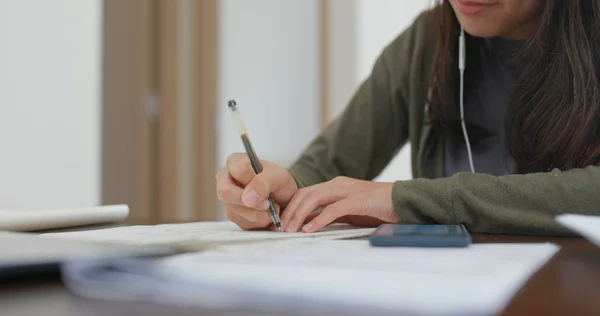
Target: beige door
(159, 98)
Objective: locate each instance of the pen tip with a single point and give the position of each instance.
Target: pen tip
(278, 225)
(231, 103)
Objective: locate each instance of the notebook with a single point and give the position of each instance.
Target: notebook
(349, 277)
(34, 220)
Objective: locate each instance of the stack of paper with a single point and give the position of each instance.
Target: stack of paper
(325, 276)
(201, 235)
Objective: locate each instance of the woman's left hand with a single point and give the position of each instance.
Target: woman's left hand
(357, 202)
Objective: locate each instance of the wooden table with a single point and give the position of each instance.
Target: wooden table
(568, 285)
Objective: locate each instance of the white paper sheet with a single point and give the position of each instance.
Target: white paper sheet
(326, 276)
(587, 226)
(204, 234)
(60, 218)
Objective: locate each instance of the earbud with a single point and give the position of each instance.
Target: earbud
(461, 50)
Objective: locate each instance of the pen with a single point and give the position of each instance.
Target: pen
(241, 127)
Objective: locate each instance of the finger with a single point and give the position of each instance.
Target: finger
(242, 222)
(238, 220)
(299, 196)
(331, 213)
(273, 228)
(319, 195)
(252, 215)
(312, 215)
(292, 205)
(255, 218)
(273, 181)
(240, 168)
(227, 191)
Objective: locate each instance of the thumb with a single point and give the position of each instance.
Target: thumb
(276, 181)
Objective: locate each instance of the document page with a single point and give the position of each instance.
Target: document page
(326, 276)
(587, 226)
(202, 234)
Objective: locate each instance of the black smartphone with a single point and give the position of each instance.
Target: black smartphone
(391, 235)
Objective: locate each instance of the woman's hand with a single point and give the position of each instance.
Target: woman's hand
(245, 193)
(357, 202)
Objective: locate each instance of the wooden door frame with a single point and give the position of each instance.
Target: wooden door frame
(128, 144)
(203, 79)
(141, 147)
(168, 86)
(206, 98)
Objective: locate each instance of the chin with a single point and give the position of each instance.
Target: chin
(480, 30)
(479, 33)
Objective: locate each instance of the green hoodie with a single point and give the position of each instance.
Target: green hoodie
(388, 110)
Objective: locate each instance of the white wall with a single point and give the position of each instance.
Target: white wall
(379, 22)
(356, 43)
(49, 103)
(269, 63)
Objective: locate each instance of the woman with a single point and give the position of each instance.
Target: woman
(531, 112)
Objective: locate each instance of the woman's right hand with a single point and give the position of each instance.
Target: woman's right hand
(245, 193)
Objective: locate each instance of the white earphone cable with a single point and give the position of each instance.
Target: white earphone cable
(461, 67)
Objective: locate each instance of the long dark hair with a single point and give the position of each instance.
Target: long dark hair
(553, 120)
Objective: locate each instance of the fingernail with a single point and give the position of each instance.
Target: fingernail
(265, 205)
(250, 198)
(307, 228)
(290, 227)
